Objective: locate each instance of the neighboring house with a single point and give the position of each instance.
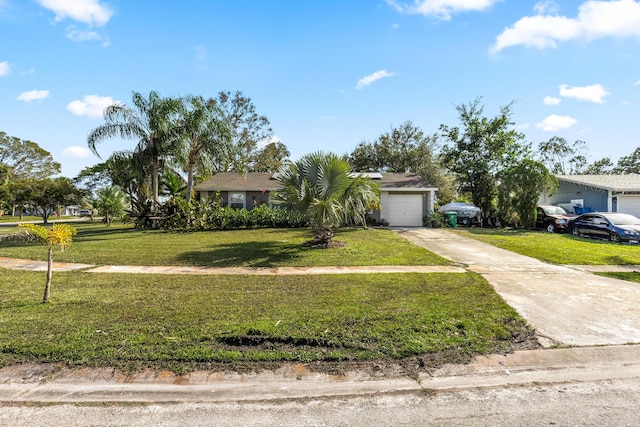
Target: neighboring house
(597, 193)
(405, 198)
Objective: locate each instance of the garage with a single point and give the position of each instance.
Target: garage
(629, 203)
(405, 210)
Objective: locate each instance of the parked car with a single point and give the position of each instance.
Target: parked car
(552, 218)
(613, 226)
(84, 212)
(467, 213)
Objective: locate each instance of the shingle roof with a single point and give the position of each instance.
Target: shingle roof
(229, 181)
(606, 182)
(254, 181)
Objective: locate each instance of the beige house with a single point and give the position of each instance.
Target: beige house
(405, 198)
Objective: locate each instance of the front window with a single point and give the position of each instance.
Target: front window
(236, 200)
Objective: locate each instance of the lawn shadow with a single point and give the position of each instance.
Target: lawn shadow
(245, 254)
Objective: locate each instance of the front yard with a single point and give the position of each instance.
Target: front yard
(182, 322)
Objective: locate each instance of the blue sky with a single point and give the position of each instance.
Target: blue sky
(328, 74)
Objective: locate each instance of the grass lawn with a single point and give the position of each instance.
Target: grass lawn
(557, 248)
(198, 322)
(122, 245)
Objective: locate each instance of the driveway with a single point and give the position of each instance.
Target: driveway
(564, 304)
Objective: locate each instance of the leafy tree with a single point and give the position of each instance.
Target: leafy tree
(248, 129)
(47, 195)
(603, 166)
(58, 235)
(110, 203)
(204, 140)
(173, 184)
(405, 149)
(322, 186)
(25, 159)
(480, 148)
(562, 158)
(629, 164)
(151, 123)
(519, 191)
(271, 158)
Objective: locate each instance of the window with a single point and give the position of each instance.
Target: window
(236, 200)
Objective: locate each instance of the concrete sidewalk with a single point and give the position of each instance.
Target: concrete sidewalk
(49, 384)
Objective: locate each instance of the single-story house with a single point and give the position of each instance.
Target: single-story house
(597, 193)
(405, 198)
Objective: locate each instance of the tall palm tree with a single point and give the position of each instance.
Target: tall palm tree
(204, 139)
(323, 187)
(150, 122)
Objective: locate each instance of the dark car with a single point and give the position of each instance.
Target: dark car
(613, 226)
(552, 219)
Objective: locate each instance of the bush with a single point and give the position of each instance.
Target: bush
(179, 214)
(434, 220)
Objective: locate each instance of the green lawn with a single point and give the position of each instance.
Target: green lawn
(122, 245)
(198, 322)
(557, 248)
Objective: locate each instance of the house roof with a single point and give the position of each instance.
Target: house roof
(258, 181)
(617, 183)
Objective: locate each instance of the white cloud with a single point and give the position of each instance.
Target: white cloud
(441, 9)
(637, 83)
(593, 93)
(76, 151)
(550, 100)
(367, 80)
(33, 95)
(545, 7)
(90, 12)
(5, 68)
(82, 36)
(554, 123)
(90, 106)
(596, 19)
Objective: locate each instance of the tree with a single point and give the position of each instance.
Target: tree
(629, 164)
(519, 190)
(25, 159)
(562, 158)
(204, 139)
(323, 187)
(271, 158)
(248, 129)
(47, 195)
(110, 203)
(173, 184)
(405, 149)
(151, 123)
(603, 166)
(58, 235)
(480, 149)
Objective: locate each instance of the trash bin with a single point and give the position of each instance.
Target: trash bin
(452, 218)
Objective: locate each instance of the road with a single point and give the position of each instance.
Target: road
(596, 403)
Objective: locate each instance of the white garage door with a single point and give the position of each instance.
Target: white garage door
(405, 210)
(629, 204)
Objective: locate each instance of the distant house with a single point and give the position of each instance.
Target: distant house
(597, 193)
(405, 198)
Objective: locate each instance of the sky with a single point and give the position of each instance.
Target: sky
(327, 74)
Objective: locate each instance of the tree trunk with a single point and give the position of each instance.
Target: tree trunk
(47, 288)
(189, 184)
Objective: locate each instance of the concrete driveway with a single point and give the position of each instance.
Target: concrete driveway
(564, 304)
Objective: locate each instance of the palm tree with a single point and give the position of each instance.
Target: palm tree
(150, 122)
(110, 203)
(324, 187)
(204, 139)
(58, 235)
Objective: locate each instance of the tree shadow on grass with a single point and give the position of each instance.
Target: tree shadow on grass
(245, 254)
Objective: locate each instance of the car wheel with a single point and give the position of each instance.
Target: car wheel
(575, 231)
(614, 238)
(550, 228)
(465, 221)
